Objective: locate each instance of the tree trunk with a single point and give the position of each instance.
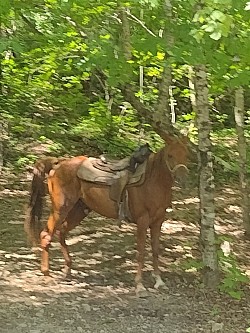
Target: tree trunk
(239, 113)
(1, 147)
(163, 111)
(206, 180)
(125, 34)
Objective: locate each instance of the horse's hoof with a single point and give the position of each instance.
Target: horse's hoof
(67, 277)
(142, 294)
(160, 285)
(45, 272)
(67, 274)
(141, 291)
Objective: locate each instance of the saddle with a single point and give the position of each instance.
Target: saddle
(117, 174)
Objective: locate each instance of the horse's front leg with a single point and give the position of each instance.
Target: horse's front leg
(142, 226)
(46, 235)
(155, 231)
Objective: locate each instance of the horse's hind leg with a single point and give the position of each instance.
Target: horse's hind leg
(74, 217)
(65, 252)
(142, 225)
(55, 218)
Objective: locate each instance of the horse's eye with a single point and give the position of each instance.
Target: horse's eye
(170, 156)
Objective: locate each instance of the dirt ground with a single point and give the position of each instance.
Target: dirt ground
(100, 298)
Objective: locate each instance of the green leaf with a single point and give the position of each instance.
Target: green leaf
(218, 15)
(236, 294)
(210, 27)
(5, 7)
(216, 35)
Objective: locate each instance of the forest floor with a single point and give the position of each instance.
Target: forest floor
(100, 298)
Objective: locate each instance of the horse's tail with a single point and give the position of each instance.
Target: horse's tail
(32, 223)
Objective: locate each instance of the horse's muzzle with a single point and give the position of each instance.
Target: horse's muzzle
(180, 174)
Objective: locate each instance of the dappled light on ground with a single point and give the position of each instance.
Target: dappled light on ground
(101, 291)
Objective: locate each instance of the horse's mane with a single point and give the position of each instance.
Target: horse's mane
(156, 161)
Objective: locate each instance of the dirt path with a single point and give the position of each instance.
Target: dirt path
(100, 298)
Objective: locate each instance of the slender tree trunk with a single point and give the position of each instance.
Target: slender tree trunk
(1, 95)
(239, 113)
(125, 36)
(159, 118)
(1, 147)
(192, 89)
(162, 114)
(206, 180)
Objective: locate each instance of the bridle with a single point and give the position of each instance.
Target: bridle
(176, 167)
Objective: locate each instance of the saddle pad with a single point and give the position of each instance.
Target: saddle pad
(111, 165)
(89, 173)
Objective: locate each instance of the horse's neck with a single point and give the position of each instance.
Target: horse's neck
(157, 164)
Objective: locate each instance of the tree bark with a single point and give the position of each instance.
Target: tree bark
(1, 147)
(159, 117)
(239, 113)
(162, 111)
(206, 180)
(125, 35)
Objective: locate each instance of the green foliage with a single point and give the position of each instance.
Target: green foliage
(60, 59)
(234, 277)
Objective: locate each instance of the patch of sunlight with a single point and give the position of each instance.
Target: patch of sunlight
(191, 270)
(192, 200)
(226, 248)
(16, 255)
(186, 247)
(228, 228)
(77, 239)
(13, 193)
(98, 218)
(176, 248)
(100, 234)
(98, 254)
(130, 251)
(127, 227)
(15, 222)
(171, 228)
(234, 209)
(220, 198)
(92, 261)
(228, 190)
(247, 272)
(92, 271)
(188, 255)
(116, 256)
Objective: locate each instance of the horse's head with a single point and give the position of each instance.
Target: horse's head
(176, 156)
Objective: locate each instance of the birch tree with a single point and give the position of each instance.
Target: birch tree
(206, 180)
(239, 113)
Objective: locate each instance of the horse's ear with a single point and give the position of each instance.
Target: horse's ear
(185, 139)
(169, 139)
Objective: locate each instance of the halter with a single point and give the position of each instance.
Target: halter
(176, 167)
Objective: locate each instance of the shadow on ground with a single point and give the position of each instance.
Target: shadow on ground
(100, 297)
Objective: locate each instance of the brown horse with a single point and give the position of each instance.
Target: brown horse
(73, 198)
